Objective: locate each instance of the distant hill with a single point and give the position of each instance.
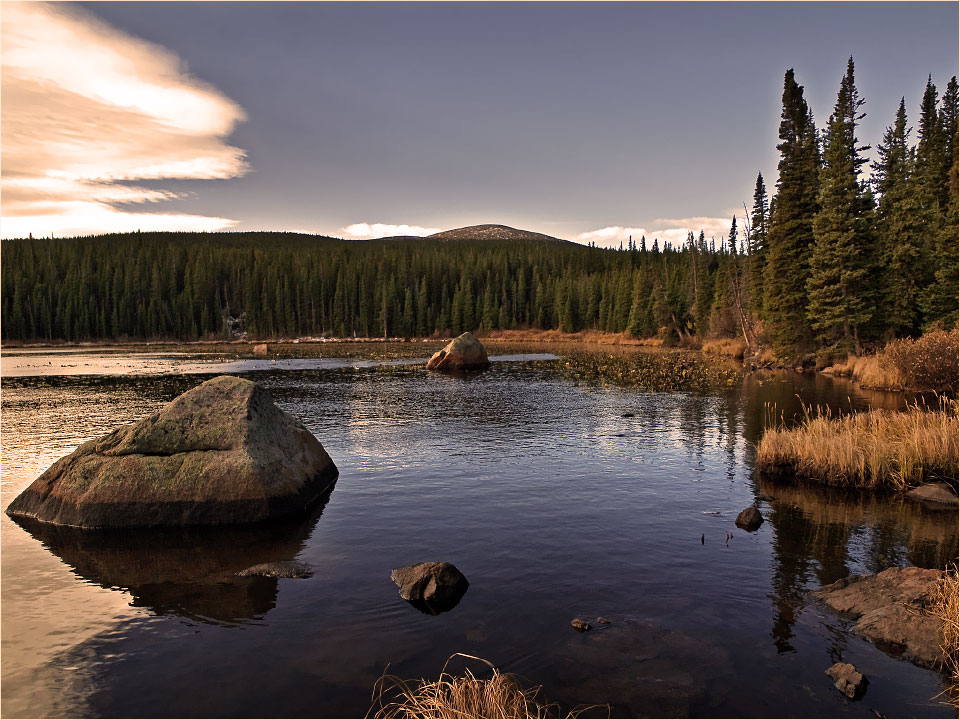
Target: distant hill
(486, 232)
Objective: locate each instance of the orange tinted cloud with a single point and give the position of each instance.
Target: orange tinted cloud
(86, 110)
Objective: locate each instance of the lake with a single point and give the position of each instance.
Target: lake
(556, 498)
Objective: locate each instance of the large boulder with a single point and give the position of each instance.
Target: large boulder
(462, 353)
(221, 453)
(890, 611)
(432, 587)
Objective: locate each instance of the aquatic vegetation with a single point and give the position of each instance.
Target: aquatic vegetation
(650, 370)
(874, 449)
(460, 696)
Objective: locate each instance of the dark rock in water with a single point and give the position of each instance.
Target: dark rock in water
(749, 519)
(462, 353)
(431, 587)
(628, 415)
(580, 625)
(221, 453)
(282, 569)
(889, 609)
(847, 680)
(937, 496)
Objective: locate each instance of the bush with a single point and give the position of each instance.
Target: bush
(928, 363)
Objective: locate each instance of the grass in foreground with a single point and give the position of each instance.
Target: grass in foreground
(877, 449)
(459, 696)
(946, 605)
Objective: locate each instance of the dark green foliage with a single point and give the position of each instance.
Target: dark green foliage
(791, 224)
(899, 230)
(841, 263)
(757, 245)
(194, 285)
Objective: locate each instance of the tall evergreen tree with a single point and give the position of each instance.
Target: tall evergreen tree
(899, 229)
(757, 244)
(840, 264)
(791, 224)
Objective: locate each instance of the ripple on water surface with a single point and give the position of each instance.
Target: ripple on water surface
(550, 501)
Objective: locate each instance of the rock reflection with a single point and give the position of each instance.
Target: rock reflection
(191, 572)
(815, 530)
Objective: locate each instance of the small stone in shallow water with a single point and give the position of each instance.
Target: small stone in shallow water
(628, 415)
(749, 519)
(847, 680)
(602, 621)
(580, 625)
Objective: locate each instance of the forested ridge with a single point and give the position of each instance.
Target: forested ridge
(838, 259)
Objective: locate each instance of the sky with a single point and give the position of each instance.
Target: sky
(588, 121)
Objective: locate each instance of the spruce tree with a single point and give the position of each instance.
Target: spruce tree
(840, 301)
(899, 229)
(791, 224)
(757, 245)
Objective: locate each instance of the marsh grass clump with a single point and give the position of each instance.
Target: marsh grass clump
(876, 449)
(870, 371)
(945, 604)
(725, 347)
(460, 696)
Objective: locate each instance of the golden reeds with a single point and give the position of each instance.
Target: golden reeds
(874, 449)
(725, 347)
(459, 696)
(945, 604)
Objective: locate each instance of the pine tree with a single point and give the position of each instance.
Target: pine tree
(791, 224)
(899, 229)
(840, 300)
(757, 245)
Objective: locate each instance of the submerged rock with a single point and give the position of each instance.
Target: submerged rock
(282, 569)
(847, 680)
(749, 519)
(889, 609)
(432, 587)
(221, 453)
(462, 353)
(937, 496)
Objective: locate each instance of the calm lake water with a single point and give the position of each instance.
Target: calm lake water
(550, 501)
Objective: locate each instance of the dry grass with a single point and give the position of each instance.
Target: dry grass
(927, 364)
(725, 347)
(871, 371)
(876, 449)
(460, 696)
(945, 604)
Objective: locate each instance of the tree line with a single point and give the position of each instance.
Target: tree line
(835, 259)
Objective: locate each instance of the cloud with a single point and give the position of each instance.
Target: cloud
(673, 230)
(366, 231)
(89, 110)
